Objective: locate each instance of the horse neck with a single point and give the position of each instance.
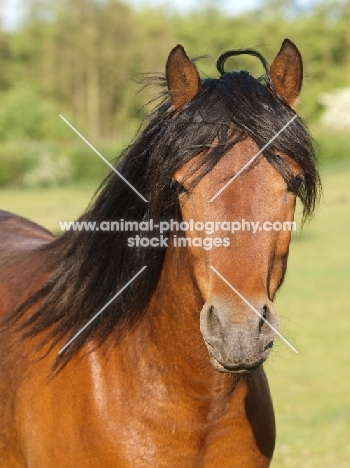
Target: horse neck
(170, 331)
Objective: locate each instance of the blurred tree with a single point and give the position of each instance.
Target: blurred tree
(4, 52)
(80, 55)
(286, 9)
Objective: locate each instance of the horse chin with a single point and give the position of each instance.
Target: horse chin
(233, 369)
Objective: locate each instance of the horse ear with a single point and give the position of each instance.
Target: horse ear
(286, 73)
(182, 78)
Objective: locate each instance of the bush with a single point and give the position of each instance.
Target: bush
(50, 170)
(42, 163)
(13, 163)
(333, 146)
(24, 115)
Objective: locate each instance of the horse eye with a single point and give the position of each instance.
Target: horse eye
(296, 183)
(179, 188)
(299, 180)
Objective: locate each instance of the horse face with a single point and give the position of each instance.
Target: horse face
(245, 244)
(238, 320)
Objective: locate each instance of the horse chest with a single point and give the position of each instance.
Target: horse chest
(89, 425)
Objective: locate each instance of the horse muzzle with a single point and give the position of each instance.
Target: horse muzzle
(238, 341)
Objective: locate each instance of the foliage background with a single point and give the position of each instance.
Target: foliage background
(84, 59)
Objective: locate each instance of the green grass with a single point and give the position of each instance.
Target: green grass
(48, 206)
(311, 389)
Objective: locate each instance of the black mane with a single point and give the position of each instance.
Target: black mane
(90, 267)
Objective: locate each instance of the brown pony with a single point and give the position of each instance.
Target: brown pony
(170, 374)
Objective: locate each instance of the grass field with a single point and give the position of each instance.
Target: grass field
(48, 206)
(311, 389)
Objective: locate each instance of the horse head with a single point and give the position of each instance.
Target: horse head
(248, 215)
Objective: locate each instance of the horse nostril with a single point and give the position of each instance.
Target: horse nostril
(264, 315)
(213, 322)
